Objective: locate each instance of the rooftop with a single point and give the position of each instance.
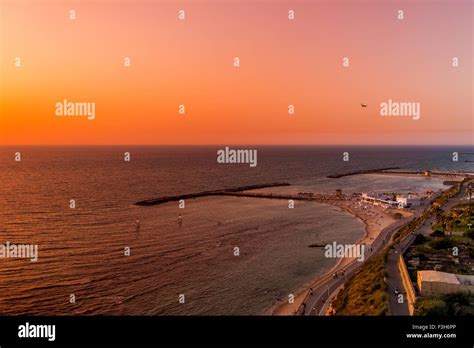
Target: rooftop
(436, 276)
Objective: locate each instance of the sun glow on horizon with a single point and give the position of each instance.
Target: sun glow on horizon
(182, 85)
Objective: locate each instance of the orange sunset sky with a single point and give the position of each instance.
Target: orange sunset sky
(190, 62)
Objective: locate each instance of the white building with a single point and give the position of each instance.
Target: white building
(409, 201)
(383, 200)
(386, 200)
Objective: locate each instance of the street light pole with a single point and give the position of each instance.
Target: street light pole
(469, 188)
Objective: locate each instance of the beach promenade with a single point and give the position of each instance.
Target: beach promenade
(315, 298)
(322, 290)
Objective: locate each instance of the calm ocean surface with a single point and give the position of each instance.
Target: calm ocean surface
(81, 250)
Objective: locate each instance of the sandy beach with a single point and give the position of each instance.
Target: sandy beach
(375, 219)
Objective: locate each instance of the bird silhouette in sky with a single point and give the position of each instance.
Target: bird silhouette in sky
(363, 105)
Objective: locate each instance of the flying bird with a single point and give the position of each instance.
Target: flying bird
(363, 105)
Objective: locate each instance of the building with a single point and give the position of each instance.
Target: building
(434, 283)
(409, 201)
(383, 200)
(390, 200)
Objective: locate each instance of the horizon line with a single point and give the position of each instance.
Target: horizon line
(242, 144)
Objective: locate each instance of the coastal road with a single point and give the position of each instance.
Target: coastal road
(394, 279)
(327, 284)
(457, 199)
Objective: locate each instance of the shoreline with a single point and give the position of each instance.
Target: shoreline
(373, 227)
(432, 175)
